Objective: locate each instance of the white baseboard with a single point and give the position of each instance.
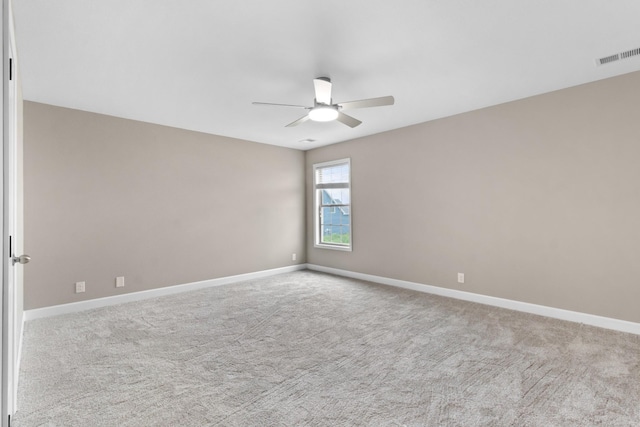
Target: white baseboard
(541, 310)
(73, 307)
(556, 313)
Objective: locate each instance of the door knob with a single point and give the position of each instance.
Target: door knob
(22, 259)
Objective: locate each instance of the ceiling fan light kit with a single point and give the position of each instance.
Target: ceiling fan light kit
(323, 113)
(324, 110)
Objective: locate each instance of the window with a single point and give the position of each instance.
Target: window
(332, 201)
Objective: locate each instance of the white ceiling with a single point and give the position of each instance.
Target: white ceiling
(199, 64)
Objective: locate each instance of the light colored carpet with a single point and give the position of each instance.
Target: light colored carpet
(312, 349)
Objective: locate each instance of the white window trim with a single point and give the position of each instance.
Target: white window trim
(316, 207)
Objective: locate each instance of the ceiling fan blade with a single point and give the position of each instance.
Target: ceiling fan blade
(280, 105)
(323, 90)
(297, 122)
(365, 103)
(348, 120)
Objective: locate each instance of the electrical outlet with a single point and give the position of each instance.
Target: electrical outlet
(79, 287)
(460, 277)
(293, 257)
(120, 282)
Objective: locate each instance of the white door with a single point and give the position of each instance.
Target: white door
(11, 260)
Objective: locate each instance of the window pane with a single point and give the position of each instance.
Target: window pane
(326, 216)
(336, 234)
(336, 196)
(346, 236)
(333, 174)
(344, 219)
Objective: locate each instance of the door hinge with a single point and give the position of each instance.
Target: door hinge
(10, 247)
(10, 68)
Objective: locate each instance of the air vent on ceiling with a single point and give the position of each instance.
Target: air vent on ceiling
(618, 56)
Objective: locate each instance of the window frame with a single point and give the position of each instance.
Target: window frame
(317, 206)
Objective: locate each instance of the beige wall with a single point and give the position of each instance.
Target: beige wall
(107, 197)
(536, 200)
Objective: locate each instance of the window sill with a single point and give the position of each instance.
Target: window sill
(333, 247)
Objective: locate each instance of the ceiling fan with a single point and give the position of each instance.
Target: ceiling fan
(324, 110)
